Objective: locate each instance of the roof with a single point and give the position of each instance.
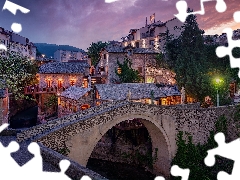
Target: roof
(75, 92)
(64, 67)
(119, 49)
(138, 91)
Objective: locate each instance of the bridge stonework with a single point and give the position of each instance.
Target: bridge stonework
(163, 123)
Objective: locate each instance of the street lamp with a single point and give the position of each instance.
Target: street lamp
(218, 81)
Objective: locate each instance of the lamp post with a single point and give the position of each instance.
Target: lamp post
(218, 82)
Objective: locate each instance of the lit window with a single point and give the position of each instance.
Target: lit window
(72, 82)
(60, 83)
(119, 70)
(48, 82)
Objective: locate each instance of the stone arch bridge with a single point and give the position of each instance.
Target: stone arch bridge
(80, 132)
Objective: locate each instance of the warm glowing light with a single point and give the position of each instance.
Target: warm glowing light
(218, 80)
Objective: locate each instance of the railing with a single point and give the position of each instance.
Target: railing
(38, 90)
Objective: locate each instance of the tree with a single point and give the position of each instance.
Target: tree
(94, 51)
(51, 105)
(192, 156)
(191, 62)
(161, 61)
(16, 72)
(127, 74)
(196, 64)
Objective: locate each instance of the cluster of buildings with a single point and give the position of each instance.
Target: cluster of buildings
(77, 85)
(17, 44)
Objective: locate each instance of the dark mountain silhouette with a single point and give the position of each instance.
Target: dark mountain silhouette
(49, 49)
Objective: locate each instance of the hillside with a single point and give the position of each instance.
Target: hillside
(49, 49)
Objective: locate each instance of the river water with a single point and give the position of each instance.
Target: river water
(119, 171)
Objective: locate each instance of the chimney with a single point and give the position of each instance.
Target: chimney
(146, 22)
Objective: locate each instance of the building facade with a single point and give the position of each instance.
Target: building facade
(152, 35)
(54, 78)
(143, 60)
(141, 46)
(67, 56)
(17, 44)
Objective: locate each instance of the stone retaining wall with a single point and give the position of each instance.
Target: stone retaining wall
(75, 171)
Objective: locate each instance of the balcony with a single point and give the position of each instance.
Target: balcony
(46, 90)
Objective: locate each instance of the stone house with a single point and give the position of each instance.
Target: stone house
(152, 35)
(141, 46)
(143, 60)
(17, 44)
(74, 99)
(139, 92)
(54, 78)
(67, 56)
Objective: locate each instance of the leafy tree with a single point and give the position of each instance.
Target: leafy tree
(127, 74)
(94, 51)
(190, 66)
(196, 64)
(16, 72)
(50, 106)
(192, 156)
(161, 61)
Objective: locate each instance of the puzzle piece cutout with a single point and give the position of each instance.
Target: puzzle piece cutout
(177, 171)
(16, 27)
(182, 8)
(227, 150)
(222, 51)
(33, 168)
(12, 7)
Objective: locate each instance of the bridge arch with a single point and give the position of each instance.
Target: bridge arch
(82, 144)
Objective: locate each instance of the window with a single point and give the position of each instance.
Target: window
(137, 44)
(72, 82)
(59, 83)
(140, 69)
(104, 56)
(119, 70)
(102, 69)
(151, 42)
(130, 52)
(48, 83)
(85, 83)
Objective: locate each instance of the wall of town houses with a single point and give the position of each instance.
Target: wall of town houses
(64, 78)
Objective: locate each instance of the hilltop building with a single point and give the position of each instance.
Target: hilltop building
(67, 56)
(17, 44)
(141, 46)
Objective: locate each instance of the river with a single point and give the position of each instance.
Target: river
(119, 171)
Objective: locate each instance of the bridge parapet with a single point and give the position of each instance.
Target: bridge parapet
(55, 137)
(32, 132)
(189, 118)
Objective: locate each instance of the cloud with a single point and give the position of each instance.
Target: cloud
(79, 23)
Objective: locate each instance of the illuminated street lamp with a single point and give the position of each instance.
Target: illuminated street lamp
(218, 81)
